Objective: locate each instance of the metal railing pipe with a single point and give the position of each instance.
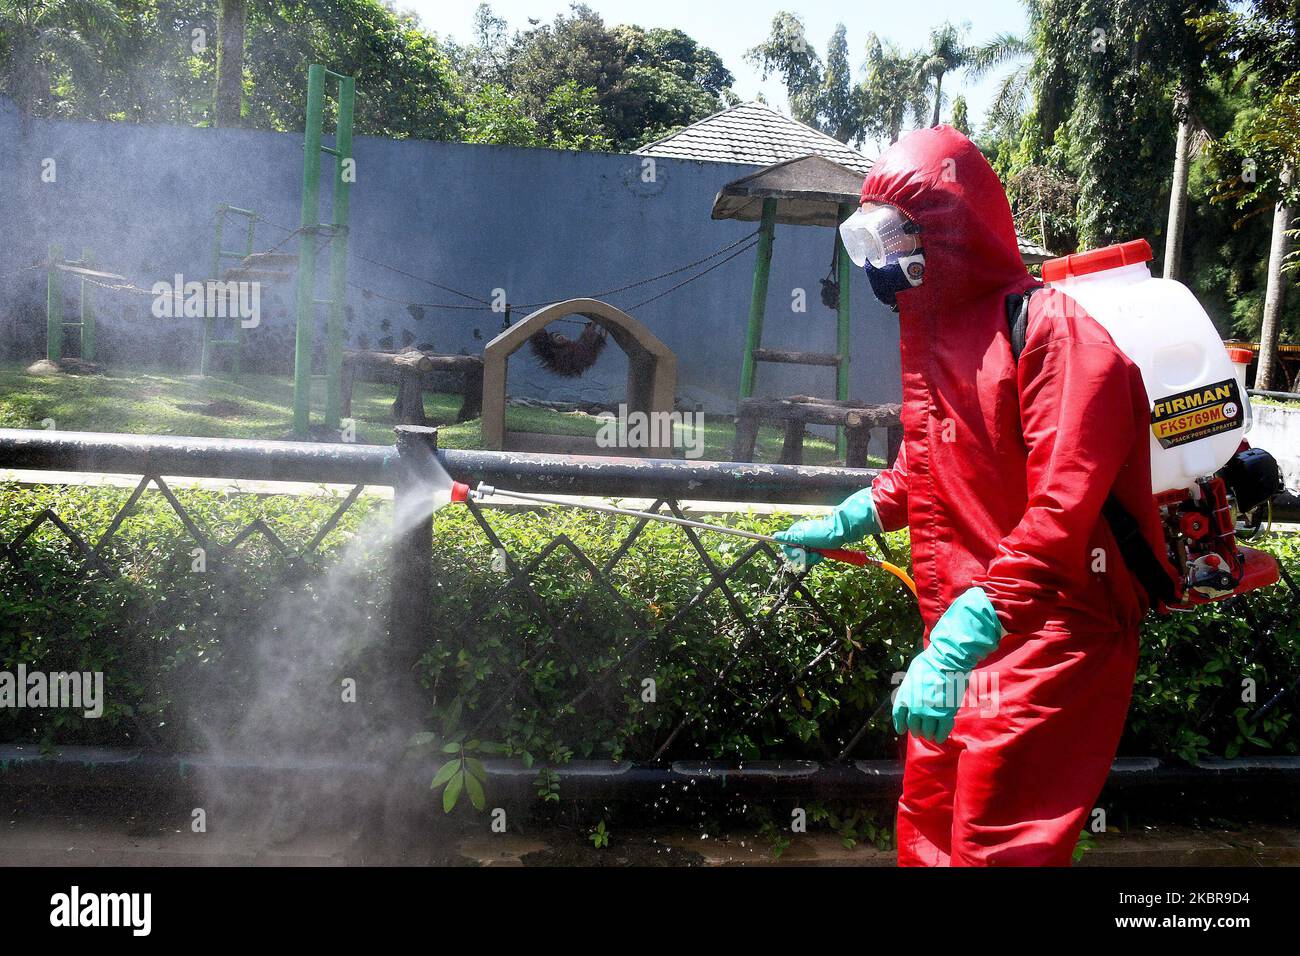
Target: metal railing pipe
(256, 460)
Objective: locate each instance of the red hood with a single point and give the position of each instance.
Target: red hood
(941, 180)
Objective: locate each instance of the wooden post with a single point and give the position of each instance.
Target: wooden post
(87, 312)
(758, 297)
(54, 307)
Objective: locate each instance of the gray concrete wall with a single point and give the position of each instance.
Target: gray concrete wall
(1276, 429)
(541, 224)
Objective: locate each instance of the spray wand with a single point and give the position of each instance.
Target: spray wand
(462, 493)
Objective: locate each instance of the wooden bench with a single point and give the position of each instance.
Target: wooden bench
(414, 371)
(800, 411)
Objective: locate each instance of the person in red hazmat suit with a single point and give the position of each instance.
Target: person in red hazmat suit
(1031, 614)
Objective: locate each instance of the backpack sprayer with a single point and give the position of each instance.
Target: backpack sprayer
(1203, 473)
(462, 493)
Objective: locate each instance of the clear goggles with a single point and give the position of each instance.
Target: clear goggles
(879, 235)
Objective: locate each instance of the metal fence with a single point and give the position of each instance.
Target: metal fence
(831, 762)
(725, 587)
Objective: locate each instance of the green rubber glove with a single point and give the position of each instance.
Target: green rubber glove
(852, 520)
(927, 701)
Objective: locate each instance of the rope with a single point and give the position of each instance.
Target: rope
(521, 305)
(410, 275)
(745, 244)
(691, 279)
(421, 305)
(42, 264)
(662, 275)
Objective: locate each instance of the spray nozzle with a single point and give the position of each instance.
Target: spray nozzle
(461, 492)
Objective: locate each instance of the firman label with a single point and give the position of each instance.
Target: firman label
(1197, 413)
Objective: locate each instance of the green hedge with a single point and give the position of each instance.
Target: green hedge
(180, 648)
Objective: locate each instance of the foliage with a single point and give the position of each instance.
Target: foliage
(788, 53)
(1043, 202)
(947, 52)
(49, 56)
(961, 117)
(571, 84)
(155, 61)
(570, 119)
(635, 85)
(892, 91)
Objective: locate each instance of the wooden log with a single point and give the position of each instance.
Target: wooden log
(786, 357)
(374, 361)
(472, 407)
(894, 444)
(408, 407)
(746, 435)
(792, 447)
(857, 441)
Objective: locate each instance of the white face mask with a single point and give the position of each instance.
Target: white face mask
(878, 235)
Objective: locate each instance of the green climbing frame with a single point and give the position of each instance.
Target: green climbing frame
(55, 269)
(219, 256)
(337, 230)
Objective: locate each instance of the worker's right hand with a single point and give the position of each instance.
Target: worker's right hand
(852, 520)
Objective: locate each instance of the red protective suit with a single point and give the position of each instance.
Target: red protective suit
(1001, 478)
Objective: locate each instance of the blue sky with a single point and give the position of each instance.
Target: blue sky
(732, 26)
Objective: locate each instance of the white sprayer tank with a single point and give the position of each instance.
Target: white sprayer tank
(1198, 401)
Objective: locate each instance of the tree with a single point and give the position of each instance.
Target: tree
(787, 52)
(646, 83)
(406, 86)
(495, 117)
(892, 91)
(1008, 103)
(671, 81)
(839, 109)
(1262, 44)
(51, 63)
(1107, 72)
(947, 52)
(1192, 139)
(230, 62)
(960, 117)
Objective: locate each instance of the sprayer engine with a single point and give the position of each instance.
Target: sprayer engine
(1201, 529)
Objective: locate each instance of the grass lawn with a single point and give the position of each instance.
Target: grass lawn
(163, 402)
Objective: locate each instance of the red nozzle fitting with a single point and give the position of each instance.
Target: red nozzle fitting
(459, 492)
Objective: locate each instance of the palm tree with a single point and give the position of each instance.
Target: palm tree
(1009, 102)
(50, 37)
(1275, 291)
(1192, 139)
(947, 52)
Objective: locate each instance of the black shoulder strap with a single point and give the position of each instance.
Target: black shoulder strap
(1018, 320)
(1133, 548)
(1137, 554)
